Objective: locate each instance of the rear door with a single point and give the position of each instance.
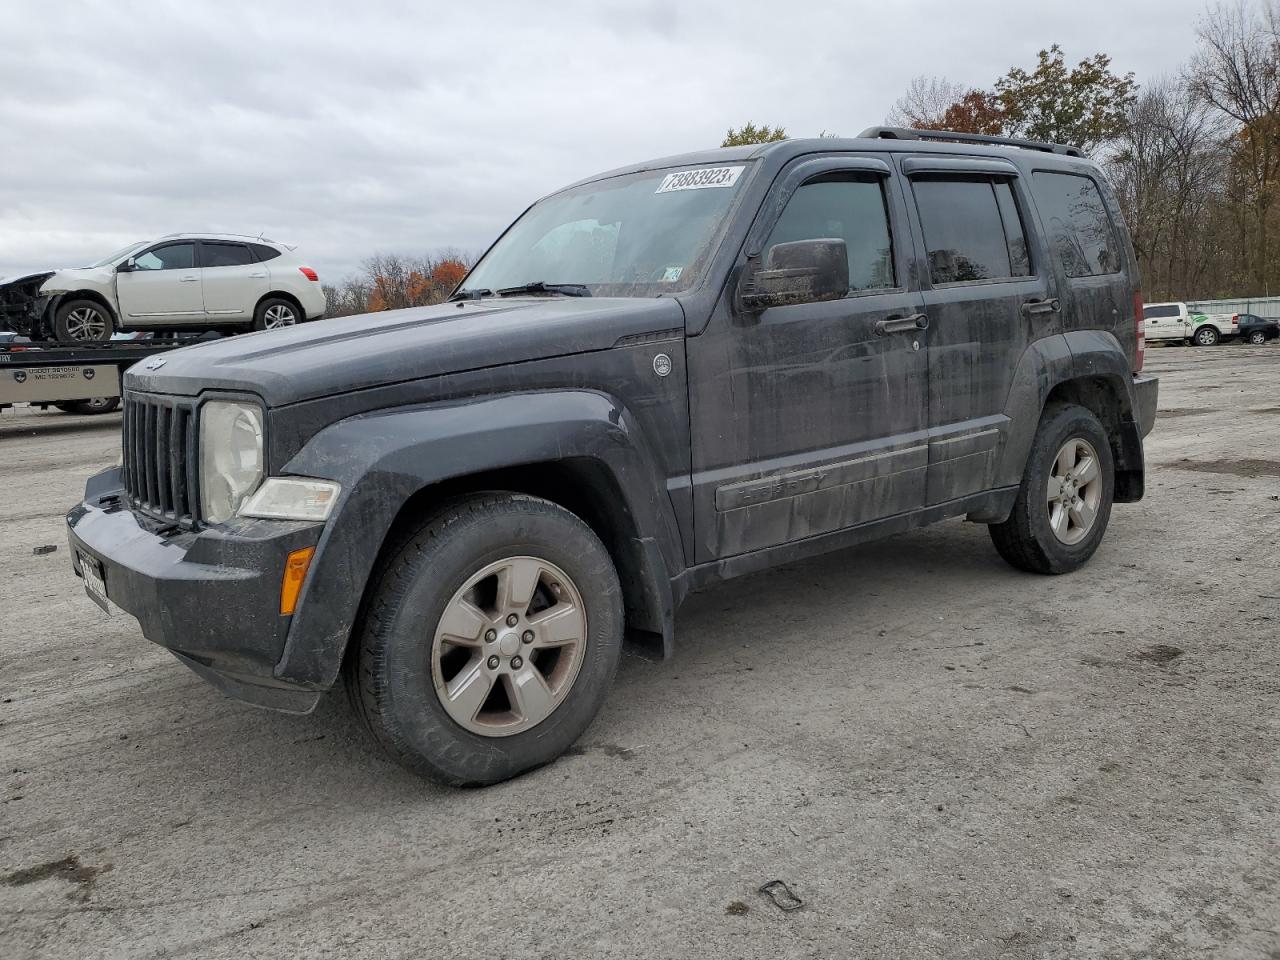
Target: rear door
(1164, 321)
(234, 281)
(1096, 292)
(990, 293)
(163, 287)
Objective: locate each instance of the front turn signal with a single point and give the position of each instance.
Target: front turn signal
(295, 572)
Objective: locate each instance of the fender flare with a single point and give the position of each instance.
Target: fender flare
(1086, 358)
(385, 458)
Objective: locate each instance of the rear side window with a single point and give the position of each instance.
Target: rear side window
(225, 255)
(972, 230)
(1080, 229)
(264, 252)
(843, 207)
(1169, 310)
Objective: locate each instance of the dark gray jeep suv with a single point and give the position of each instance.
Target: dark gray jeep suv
(656, 378)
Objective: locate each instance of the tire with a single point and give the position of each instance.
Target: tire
(92, 407)
(1257, 337)
(401, 659)
(1027, 539)
(276, 312)
(83, 321)
(1206, 337)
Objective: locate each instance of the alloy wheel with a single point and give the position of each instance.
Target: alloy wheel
(279, 315)
(509, 646)
(1074, 491)
(86, 323)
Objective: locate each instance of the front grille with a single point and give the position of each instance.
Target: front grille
(160, 456)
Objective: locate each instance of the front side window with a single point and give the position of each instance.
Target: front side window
(1080, 230)
(637, 235)
(972, 229)
(225, 255)
(172, 256)
(843, 207)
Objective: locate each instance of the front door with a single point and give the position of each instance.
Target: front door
(164, 286)
(232, 279)
(810, 418)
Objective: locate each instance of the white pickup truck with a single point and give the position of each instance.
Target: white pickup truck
(1175, 322)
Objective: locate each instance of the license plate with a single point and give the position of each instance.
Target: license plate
(95, 582)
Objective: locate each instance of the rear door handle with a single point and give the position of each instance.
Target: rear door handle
(1032, 307)
(917, 321)
(188, 279)
(257, 276)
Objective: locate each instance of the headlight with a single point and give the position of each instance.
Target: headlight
(292, 498)
(230, 457)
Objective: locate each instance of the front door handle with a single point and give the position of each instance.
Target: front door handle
(917, 321)
(1033, 307)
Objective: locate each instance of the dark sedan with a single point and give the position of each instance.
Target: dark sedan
(1255, 329)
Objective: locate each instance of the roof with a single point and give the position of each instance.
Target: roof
(880, 139)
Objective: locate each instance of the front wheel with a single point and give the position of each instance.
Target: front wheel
(1206, 337)
(82, 321)
(1065, 499)
(491, 640)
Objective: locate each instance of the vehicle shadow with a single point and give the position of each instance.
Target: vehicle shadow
(60, 426)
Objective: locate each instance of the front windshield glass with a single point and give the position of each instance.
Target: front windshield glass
(118, 255)
(637, 235)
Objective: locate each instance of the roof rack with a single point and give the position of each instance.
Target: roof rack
(952, 136)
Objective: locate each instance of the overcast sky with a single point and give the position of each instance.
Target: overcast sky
(378, 126)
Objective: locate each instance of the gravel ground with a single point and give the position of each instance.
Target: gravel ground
(940, 756)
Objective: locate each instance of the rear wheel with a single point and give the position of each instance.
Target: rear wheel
(1206, 337)
(1257, 337)
(491, 640)
(82, 321)
(1065, 498)
(274, 313)
(89, 407)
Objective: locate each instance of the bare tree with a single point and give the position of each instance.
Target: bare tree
(926, 102)
(1236, 71)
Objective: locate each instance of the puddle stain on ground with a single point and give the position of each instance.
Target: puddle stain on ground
(69, 869)
(1236, 468)
(1160, 653)
(1183, 411)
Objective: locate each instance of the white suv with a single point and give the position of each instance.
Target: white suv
(1175, 321)
(183, 281)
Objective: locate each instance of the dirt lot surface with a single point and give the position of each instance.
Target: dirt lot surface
(940, 756)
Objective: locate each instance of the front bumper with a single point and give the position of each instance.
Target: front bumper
(211, 597)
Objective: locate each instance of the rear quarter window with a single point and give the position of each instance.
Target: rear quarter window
(1081, 234)
(264, 252)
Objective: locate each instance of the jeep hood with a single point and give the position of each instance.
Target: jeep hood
(336, 356)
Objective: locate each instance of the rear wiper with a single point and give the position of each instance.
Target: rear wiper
(471, 294)
(540, 286)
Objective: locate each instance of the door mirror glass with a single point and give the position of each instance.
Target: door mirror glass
(803, 271)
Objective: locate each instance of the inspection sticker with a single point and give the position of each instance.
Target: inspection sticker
(700, 179)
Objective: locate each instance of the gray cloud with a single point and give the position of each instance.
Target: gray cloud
(392, 126)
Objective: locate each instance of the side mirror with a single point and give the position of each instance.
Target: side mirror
(805, 271)
(128, 266)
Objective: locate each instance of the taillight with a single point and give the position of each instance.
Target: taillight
(308, 273)
(1141, 356)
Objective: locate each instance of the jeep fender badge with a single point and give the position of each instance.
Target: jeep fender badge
(662, 364)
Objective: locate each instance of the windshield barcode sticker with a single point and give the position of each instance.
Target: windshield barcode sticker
(700, 179)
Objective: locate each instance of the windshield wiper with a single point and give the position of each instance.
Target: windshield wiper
(541, 286)
(471, 294)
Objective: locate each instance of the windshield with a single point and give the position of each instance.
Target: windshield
(119, 254)
(637, 235)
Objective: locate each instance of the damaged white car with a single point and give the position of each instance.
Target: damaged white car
(178, 282)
